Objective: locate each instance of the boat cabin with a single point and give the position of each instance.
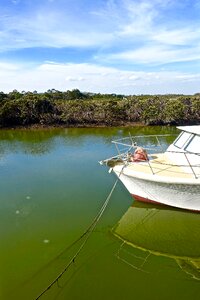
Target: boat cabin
(187, 141)
(185, 150)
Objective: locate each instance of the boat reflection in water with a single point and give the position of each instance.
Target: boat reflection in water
(163, 231)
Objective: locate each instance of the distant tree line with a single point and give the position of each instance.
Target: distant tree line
(75, 108)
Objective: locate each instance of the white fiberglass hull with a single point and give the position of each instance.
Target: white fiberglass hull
(181, 195)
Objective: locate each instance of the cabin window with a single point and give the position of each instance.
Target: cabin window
(182, 139)
(193, 145)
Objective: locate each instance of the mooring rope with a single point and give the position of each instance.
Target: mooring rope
(87, 232)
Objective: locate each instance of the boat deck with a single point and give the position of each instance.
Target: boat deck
(160, 165)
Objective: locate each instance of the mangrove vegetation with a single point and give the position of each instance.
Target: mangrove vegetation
(75, 108)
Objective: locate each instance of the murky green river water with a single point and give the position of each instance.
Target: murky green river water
(51, 187)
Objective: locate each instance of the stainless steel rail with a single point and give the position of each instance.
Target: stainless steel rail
(131, 142)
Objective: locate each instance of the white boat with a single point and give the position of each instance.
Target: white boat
(170, 177)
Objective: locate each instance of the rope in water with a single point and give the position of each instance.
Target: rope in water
(88, 232)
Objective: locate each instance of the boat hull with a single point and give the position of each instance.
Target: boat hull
(185, 196)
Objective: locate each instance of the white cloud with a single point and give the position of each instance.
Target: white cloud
(69, 78)
(94, 78)
(4, 66)
(121, 32)
(134, 77)
(148, 37)
(156, 54)
(48, 28)
(15, 1)
(189, 77)
(140, 27)
(140, 17)
(183, 36)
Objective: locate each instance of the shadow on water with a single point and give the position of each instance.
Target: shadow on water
(162, 231)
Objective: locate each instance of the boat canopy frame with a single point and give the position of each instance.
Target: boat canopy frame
(125, 146)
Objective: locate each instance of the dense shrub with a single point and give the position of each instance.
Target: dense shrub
(74, 108)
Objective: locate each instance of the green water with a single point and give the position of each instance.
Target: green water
(51, 187)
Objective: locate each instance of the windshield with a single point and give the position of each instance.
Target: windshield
(182, 139)
(194, 145)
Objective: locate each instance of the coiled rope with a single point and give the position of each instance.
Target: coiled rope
(87, 233)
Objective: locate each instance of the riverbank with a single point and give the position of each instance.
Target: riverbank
(57, 110)
(63, 126)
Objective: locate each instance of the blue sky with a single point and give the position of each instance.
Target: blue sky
(107, 46)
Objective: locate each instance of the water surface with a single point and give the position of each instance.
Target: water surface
(51, 188)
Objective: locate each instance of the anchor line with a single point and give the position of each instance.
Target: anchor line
(88, 233)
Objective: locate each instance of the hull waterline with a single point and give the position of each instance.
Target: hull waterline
(185, 196)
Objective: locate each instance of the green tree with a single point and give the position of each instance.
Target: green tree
(174, 111)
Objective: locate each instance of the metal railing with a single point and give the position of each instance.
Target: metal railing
(125, 146)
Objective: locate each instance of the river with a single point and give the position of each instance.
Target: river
(51, 188)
